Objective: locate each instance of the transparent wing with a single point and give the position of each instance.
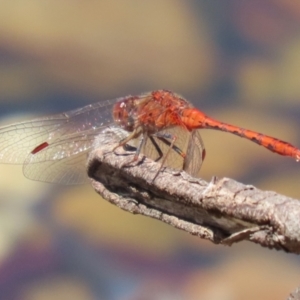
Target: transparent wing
(63, 161)
(19, 140)
(54, 148)
(68, 171)
(195, 154)
(188, 142)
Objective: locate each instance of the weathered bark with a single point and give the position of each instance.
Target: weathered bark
(222, 211)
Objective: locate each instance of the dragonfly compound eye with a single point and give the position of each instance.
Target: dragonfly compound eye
(122, 114)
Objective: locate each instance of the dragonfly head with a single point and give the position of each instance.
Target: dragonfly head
(123, 113)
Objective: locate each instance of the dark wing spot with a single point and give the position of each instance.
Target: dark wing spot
(39, 148)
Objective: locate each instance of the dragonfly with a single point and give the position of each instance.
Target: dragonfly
(161, 124)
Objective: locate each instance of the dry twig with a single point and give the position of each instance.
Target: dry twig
(222, 211)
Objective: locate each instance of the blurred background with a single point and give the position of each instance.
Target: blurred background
(238, 61)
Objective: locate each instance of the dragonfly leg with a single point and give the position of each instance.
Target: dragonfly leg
(124, 141)
(131, 136)
(140, 146)
(164, 138)
(157, 148)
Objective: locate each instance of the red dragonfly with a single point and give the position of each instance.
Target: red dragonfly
(54, 148)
